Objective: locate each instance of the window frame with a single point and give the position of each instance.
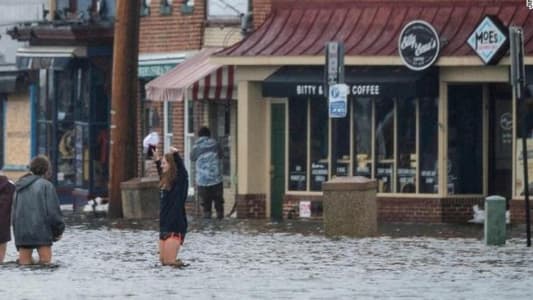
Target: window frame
(373, 159)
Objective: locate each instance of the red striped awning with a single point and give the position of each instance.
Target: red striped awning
(197, 77)
(218, 85)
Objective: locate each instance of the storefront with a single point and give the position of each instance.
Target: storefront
(70, 100)
(198, 93)
(437, 139)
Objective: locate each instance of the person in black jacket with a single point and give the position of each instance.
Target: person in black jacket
(7, 189)
(174, 185)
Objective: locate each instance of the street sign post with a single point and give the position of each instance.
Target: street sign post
(334, 74)
(518, 80)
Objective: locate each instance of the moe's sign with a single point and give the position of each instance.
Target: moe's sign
(489, 40)
(418, 45)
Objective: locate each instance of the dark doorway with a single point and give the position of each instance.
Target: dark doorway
(500, 140)
(277, 158)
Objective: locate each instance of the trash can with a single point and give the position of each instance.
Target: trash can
(494, 226)
(140, 198)
(350, 207)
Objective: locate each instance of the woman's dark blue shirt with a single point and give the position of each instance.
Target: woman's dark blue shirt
(172, 215)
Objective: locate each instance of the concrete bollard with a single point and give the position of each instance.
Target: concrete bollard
(350, 207)
(140, 198)
(495, 233)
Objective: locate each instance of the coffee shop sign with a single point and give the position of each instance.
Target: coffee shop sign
(418, 45)
(355, 89)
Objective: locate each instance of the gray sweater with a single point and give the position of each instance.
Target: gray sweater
(36, 216)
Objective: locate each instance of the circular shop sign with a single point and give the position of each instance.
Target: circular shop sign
(418, 45)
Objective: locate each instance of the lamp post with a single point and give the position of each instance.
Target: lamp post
(518, 79)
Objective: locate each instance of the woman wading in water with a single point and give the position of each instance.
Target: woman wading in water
(174, 184)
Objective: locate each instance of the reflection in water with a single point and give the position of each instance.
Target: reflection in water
(241, 259)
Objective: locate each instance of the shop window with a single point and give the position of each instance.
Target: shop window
(428, 142)
(83, 95)
(72, 126)
(465, 140)
(406, 159)
(100, 149)
(82, 155)
(99, 132)
(298, 144)
(362, 121)
(393, 140)
(384, 144)
(319, 143)
(44, 137)
(65, 91)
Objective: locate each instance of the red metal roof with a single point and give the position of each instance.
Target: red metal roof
(371, 28)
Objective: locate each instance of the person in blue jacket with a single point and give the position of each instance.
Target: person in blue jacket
(36, 215)
(174, 185)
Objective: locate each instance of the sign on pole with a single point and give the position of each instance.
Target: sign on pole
(333, 75)
(338, 100)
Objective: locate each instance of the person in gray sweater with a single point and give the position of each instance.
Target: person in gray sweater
(36, 216)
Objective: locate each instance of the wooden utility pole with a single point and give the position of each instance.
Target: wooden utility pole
(123, 161)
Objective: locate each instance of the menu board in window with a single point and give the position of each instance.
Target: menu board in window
(406, 180)
(384, 175)
(319, 174)
(297, 179)
(342, 169)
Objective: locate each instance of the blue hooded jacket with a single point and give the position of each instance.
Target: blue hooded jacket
(207, 154)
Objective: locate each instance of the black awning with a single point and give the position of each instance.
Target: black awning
(289, 81)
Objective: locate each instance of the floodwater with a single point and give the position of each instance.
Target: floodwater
(243, 259)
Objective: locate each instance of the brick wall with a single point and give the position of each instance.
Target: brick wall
(251, 206)
(175, 32)
(459, 210)
(405, 210)
(517, 208)
(291, 205)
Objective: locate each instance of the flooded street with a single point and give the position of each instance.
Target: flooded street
(243, 259)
